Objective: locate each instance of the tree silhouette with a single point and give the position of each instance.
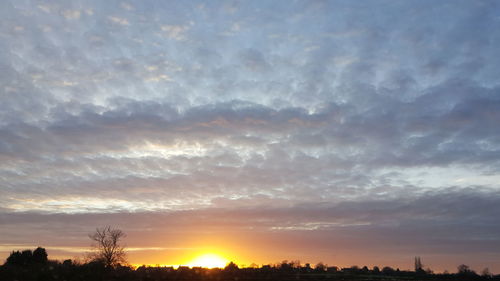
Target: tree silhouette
(320, 267)
(231, 266)
(40, 255)
(419, 267)
(16, 258)
(387, 270)
(465, 270)
(27, 257)
(27, 265)
(486, 273)
(107, 247)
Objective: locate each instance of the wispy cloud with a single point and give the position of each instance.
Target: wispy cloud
(71, 14)
(176, 32)
(118, 20)
(355, 119)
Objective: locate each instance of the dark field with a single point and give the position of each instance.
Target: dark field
(55, 271)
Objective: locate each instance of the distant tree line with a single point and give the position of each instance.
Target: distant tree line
(28, 257)
(28, 265)
(107, 263)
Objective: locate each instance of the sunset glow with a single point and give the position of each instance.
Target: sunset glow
(343, 132)
(208, 260)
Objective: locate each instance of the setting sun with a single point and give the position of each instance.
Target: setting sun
(209, 261)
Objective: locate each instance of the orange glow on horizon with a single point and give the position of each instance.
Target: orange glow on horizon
(208, 260)
(205, 260)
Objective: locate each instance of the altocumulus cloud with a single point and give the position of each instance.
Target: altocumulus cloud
(369, 124)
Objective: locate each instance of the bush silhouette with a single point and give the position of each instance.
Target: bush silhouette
(40, 256)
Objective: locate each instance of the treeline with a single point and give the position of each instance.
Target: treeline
(34, 265)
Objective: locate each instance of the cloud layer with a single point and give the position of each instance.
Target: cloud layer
(371, 121)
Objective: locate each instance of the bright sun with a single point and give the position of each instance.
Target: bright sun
(208, 261)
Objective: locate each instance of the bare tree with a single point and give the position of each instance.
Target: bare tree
(419, 267)
(486, 273)
(107, 247)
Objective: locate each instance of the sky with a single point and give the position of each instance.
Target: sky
(347, 132)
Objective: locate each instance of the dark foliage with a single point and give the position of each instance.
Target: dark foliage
(27, 257)
(40, 256)
(30, 265)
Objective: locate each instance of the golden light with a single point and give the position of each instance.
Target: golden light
(209, 261)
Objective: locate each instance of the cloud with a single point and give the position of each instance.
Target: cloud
(242, 138)
(448, 222)
(71, 14)
(118, 20)
(176, 32)
(45, 8)
(354, 120)
(253, 60)
(127, 6)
